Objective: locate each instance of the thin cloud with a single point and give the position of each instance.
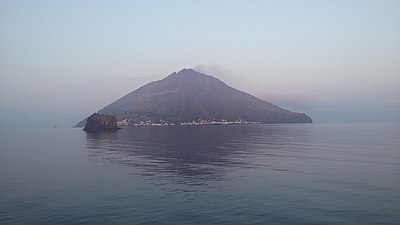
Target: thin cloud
(392, 102)
(213, 69)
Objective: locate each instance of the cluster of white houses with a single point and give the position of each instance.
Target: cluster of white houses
(125, 123)
(217, 122)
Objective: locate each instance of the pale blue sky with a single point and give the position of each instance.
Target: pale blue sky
(334, 60)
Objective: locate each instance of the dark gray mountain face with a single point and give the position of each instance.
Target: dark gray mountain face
(192, 96)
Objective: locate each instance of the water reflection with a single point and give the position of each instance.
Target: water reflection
(190, 153)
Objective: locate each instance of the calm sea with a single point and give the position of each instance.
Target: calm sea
(245, 174)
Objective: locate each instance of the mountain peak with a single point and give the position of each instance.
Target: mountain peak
(186, 70)
(190, 78)
(189, 71)
(189, 95)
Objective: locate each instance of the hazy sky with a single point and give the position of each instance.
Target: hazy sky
(335, 60)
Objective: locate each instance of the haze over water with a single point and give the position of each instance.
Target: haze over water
(336, 61)
(251, 174)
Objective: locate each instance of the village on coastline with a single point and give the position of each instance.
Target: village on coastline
(149, 122)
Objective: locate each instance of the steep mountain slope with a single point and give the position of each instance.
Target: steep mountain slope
(189, 95)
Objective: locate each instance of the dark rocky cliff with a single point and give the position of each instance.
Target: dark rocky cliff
(98, 122)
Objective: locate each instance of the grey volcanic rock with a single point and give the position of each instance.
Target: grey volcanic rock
(189, 95)
(97, 123)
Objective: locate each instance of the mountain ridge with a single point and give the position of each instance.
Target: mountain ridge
(189, 96)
